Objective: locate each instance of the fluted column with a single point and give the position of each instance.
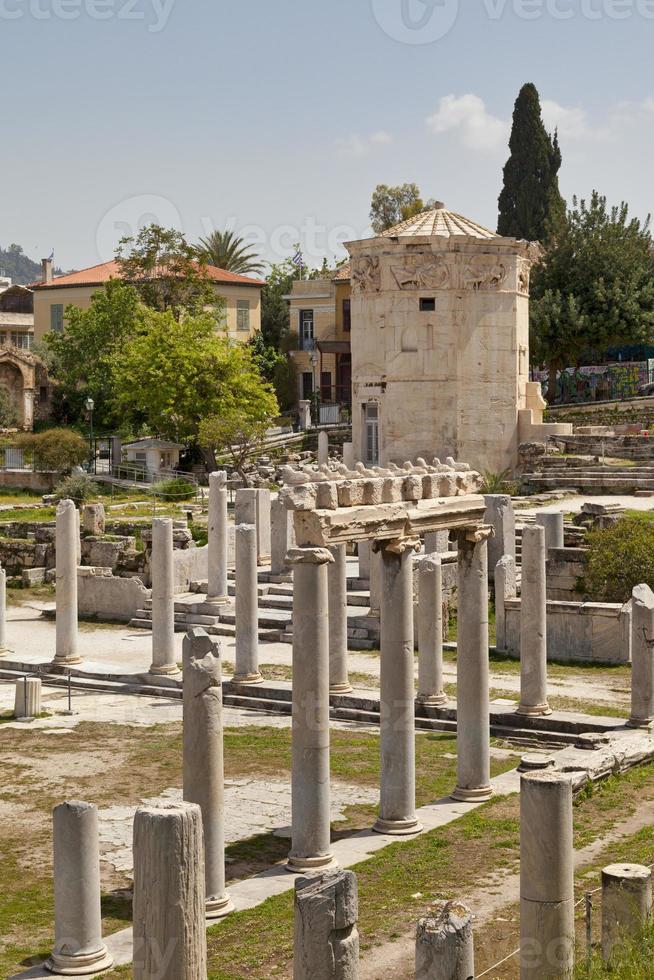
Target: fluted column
(217, 590)
(430, 632)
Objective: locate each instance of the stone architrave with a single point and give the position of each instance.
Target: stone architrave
(218, 538)
(3, 612)
(547, 920)
(323, 448)
(326, 942)
(501, 517)
(626, 904)
(78, 947)
(246, 607)
(66, 583)
(204, 776)
(27, 701)
(430, 632)
(337, 584)
(505, 588)
(472, 675)
(642, 657)
(533, 624)
(164, 657)
(445, 943)
(554, 530)
(397, 804)
(281, 537)
(311, 846)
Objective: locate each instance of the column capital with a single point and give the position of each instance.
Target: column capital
(398, 546)
(475, 535)
(309, 556)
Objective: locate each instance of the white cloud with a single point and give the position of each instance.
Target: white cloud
(381, 137)
(573, 123)
(359, 146)
(468, 115)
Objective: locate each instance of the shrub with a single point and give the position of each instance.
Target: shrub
(498, 483)
(619, 558)
(57, 450)
(78, 488)
(177, 489)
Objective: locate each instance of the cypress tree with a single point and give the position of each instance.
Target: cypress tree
(530, 204)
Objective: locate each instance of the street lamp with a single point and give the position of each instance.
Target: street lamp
(90, 405)
(316, 402)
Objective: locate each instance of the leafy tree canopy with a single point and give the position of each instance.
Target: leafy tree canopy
(390, 205)
(241, 426)
(228, 251)
(57, 450)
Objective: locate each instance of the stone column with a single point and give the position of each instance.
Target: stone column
(553, 525)
(445, 944)
(626, 904)
(245, 506)
(505, 588)
(94, 519)
(547, 923)
(169, 928)
(326, 941)
(323, 448)
(437, 542)
(430, 632)
(204, 776)
(78, 947)
(642, 653)
(533, 624)
(263, 526)
(3, 612)
(305, 414)
(217, 590)
(27, 699)
(501, 517)
(363, 554)
(337, 585)
(246, 655)
(375, 581)
(280, 537)
(67, 538)
(311, 847)
(397, 804)
(348, 455)
(164, 656)
(78, 536)
(473, 711)
(29, 394)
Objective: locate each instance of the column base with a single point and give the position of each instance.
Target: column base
(534, 710)
(79, 966)
(638, 723)
(247, 678)
(340, 689)
(397, 828)
(67, 661)
(218, 600)
(481, 795)
(217, 908)
(433, 700)
(164, 670)
(305, 865)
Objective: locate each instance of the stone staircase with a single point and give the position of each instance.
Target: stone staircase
(592, 478)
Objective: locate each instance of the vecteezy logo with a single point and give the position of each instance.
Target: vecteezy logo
(416, 21)
(127, 218)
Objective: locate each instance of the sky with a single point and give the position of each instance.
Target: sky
(277, 118)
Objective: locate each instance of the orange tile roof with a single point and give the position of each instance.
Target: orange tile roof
(97, 275)
(342, 274)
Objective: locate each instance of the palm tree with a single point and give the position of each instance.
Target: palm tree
(227, 251)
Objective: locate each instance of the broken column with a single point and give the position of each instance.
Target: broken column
(93, 519)
(326, 940)
(430, 632)
(642, 657)
(437, 542)
(281, 538)
(554, 531)
(67, 539)
(445, 943)
(505, 588)
(163, 598)
(217, 548)
(547, 923)
(311, 847)
(253, 507)
(3, 612)
(323, 448)
(348, 455)
(472, 674)
(169, 928)
(363, 553)
(533, 624)
(501, 517)
(78, 947)
(397, 803)
(27, 700)
(337, 585)
(626, 904)
(246, 653)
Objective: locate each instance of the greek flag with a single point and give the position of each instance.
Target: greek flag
(298, 259)
(51, 256)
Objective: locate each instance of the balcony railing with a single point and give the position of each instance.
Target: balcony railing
(307, 343)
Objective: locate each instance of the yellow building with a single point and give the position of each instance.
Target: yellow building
(320, 323)
(242, 296)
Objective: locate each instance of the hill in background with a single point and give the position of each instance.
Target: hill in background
(21, 269)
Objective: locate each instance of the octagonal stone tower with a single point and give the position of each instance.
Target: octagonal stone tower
(440, 343)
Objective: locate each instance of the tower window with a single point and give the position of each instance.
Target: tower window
(428, 305)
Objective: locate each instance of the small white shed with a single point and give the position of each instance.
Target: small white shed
(156, 455)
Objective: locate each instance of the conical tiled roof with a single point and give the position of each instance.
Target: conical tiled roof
(441, 222)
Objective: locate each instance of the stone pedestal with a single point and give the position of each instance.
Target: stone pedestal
(323, 448)
(547, 925)
(642, 654)
(348, 455)
(505, 588)
(3, 612)
(626, 904)
(501, 517)
(445, 944)
(93, 519)
(326, 942)
(164, 657)
(246, 655)
(533, 625)
(27, 701)
(311, 847)
(204, 776)
(78, 948)
(437, 542)
(397, 806)
(217, 526)
(473, 711)
(430, 632)
(66, 572)
(553, 526)
(170, 940)
(281, 537)
(305, 414)
(337, 585)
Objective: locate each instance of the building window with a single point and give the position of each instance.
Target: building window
(347, 315)
(371, 442)
(306, 330)
(21, 340)
(43, 393)
(307, 385)
(243, 314)
(57, 317)
(326, 386)
(428, 305)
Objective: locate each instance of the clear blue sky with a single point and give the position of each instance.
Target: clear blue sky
(280, 116)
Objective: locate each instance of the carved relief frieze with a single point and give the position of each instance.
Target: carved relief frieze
(484, 273)
(366, 274)
(524, 276)
(422, 272)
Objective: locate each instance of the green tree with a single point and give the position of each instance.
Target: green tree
(390, 205)
(228, 251)
(166, 271)
(55, 450)
(530, 204)
(8, 410)
(275, 317)
(240, 428)
(595, 287)
(619, 558)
